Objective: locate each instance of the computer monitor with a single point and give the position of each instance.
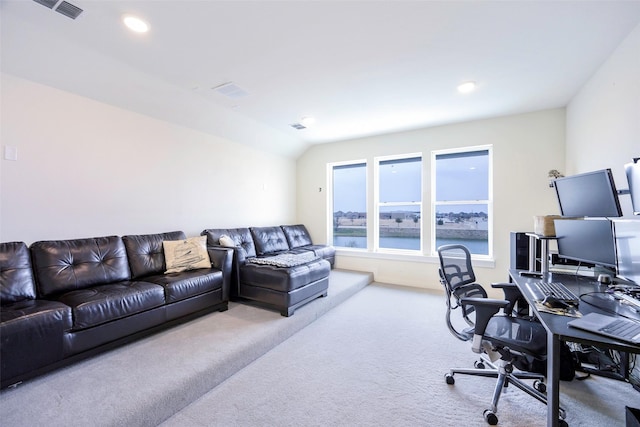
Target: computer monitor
(633, 178)
(589, 241)
(627, 238)
(591, 194)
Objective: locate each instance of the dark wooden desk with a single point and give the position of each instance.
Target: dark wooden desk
(558, 330)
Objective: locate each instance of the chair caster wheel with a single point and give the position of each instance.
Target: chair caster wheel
(490, 417)
(449, 379)
(562, 423)
(478, 364)
(540, 386)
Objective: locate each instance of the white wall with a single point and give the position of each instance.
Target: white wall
(89, 169)
(603, 119)
(525, 148)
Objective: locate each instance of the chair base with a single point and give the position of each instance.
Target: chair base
(505, 377)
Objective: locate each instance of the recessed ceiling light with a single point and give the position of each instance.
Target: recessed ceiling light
(135, 24)
(467, 87)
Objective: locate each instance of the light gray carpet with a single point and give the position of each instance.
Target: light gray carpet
(146, 382)
(379, 359)
(376, 359)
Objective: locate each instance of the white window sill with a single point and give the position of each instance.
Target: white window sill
(408, 256)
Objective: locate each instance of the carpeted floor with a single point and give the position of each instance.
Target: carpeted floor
(147, 381)
(367, 356)
(379, 359)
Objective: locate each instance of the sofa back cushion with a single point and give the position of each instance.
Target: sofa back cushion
(297, 235)
(269, 240)
(16, 275)
(66, 265)
(146, 254)
(243, 241)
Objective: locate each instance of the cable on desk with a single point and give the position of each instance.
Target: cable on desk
(601, 307)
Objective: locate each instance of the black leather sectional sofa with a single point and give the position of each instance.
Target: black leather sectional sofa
(275, 267)
(63, 300)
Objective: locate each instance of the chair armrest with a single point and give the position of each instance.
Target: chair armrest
(504, 285)
(486, 308)
(516, 299)
(511, 294)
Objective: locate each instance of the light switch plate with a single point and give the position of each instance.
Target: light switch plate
(10, 153)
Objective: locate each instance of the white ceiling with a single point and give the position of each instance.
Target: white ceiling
(359, 67)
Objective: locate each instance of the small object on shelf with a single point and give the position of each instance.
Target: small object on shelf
(544, 226)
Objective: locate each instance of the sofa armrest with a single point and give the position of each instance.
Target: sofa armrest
(222, 259)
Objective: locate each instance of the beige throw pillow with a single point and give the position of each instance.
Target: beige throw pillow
(189, 254)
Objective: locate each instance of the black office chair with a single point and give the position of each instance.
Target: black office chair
(502, 340)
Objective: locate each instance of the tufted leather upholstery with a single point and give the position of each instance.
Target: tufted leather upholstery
(299, 239)
(285, 279)
(297, 235)
(241, 236)
(104, 303)
(146, 253)
(67, 265)
(16, 276)
(281, 288)
(31, 331)
(269, 240)
(91, 299)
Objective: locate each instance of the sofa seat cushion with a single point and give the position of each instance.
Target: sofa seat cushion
(323, 251)
(286, 259)
(284, 279)
(180, 286)
(32, 316)
(104, 303)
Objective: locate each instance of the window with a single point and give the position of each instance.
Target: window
(462, 199)
(399, 203)
(349, 190)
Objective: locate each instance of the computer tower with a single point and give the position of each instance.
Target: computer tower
(519, 250)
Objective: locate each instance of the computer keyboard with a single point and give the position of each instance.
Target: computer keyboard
(542, 289)
(622, 328)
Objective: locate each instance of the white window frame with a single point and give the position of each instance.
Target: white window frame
(330, 167)
(489, 201)
(377, 204)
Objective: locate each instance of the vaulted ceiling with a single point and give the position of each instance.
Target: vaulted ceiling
(358, 67)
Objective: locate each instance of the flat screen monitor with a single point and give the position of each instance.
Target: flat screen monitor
(586, 240)
(633, 178)
(627, 237)
(591, 194)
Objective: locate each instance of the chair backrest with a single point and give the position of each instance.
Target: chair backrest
(455, 265)
(459, 281)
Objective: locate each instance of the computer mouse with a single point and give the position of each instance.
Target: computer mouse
(553, 302)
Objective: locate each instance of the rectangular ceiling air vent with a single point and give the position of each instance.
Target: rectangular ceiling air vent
(67, 9)
(231, 90)
(47, 3)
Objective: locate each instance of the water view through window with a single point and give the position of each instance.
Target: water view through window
(350, 205)
(461, 202)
